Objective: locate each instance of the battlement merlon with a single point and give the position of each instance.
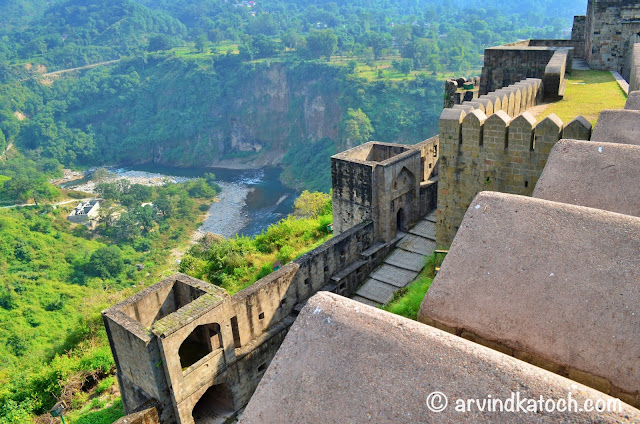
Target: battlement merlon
(498, 153)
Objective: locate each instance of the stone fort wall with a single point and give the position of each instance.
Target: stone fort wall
(611, 28)
(632, 68)
(375, 185)
(495, 153)
(547, 60)
(253, 323)
(579, 30)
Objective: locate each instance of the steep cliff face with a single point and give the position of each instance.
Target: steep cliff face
(255, 123)
(189, 113)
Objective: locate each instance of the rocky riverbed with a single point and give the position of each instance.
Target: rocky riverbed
(249, 200)
(228, 214)
(134, 177)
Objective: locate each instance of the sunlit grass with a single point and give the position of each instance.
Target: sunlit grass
(97, 411)
(406, 302)
(377, 70)
(189, 51)
(587, 94)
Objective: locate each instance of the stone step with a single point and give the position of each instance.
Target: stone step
(580, 65)
(426, 229)
(618, 126)
(398, 283)
(376, 291)
(393, 275)
(407, 260)
(417, 244)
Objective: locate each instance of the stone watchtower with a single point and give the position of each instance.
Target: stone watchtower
(179, 346)
(383, 183)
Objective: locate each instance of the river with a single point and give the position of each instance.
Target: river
(250, 200)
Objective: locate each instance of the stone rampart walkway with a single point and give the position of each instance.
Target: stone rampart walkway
(624, 85)
(402, 265)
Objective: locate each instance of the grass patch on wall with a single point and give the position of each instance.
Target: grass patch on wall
(588, 93)
(406, 301)
(236, 263)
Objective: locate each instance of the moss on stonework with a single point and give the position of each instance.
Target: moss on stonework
(186, 314)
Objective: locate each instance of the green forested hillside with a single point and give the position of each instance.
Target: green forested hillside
(153, 110)
(58, 276)
(212, 98)
(78, 32)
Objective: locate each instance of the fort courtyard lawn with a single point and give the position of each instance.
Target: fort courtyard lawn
(587, 94)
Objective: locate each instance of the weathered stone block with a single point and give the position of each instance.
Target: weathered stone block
(578, 129)
(633, 101)
(369, 348)
(618, 126)
(547, 134)
(513, 300)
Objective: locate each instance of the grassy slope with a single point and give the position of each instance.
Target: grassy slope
(51, 316)
(235, 264)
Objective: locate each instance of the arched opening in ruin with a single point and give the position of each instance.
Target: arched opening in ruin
(201, 342)
(400, 220)
(405, 181)
(215, 406)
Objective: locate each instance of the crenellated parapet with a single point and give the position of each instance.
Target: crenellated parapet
(547, 60)
(513, 99)
(496, 153)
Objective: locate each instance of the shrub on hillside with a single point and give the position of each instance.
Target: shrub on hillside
(106, 262)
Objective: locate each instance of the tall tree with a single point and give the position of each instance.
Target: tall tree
(202, 43)
(322, 43)
(357, 128)
(379, 42)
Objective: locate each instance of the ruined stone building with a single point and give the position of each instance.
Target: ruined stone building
(190, 353)
(389, 184)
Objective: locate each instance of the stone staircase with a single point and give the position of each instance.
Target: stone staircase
(402, 265)
(580, 65)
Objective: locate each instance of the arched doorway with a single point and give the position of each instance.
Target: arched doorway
(400, 221)
(201, 342)
(215, 406)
